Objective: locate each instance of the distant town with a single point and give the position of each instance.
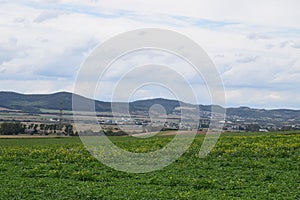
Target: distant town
(52, 114)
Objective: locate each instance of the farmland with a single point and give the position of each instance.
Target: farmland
(241, 166)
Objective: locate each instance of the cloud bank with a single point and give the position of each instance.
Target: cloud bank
(254, 44)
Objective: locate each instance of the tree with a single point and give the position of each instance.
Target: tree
(35, 128)
(11, 128)
(252, 127)
(69, 129)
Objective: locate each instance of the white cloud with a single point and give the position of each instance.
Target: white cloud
(255, 44)
(262, 98)
(267, 12)
(36, 86)
(47, 15)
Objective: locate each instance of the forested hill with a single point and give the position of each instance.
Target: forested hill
(34, 102)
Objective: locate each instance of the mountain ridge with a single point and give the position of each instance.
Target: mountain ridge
(35, 102)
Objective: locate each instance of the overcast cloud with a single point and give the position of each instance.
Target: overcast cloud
(254, 44)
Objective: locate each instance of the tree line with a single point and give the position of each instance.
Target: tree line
(15, 128)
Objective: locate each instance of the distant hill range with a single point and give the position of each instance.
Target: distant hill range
(33, 103)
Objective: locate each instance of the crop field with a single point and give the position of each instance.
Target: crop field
(241, 166)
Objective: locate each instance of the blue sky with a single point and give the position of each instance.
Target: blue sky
(255, 45)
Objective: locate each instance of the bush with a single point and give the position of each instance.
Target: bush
(114, 133)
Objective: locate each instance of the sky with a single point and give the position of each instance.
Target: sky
(255, 45)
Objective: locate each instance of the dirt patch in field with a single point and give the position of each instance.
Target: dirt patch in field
(184, 132)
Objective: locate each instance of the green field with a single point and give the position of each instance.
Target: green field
(241, 166)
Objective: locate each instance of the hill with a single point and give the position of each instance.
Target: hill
(34, 102)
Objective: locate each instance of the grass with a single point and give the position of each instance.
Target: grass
(241, 166)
